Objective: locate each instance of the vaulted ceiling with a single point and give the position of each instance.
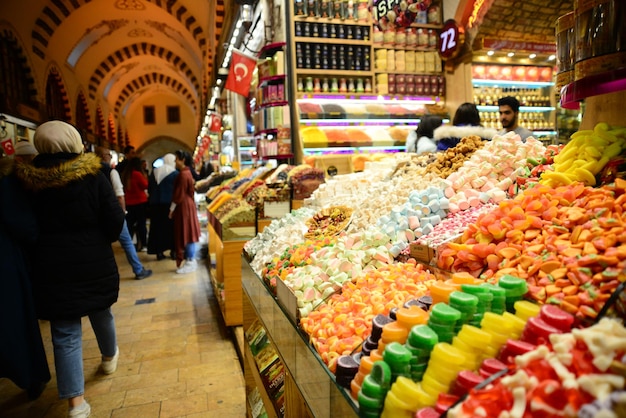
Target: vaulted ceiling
(122, 55)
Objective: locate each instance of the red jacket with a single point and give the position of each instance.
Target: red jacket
(136, 193)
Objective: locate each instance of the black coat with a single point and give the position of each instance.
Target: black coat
(75, 273)
(22, 355)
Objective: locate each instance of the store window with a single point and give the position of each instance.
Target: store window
(173, 114)
(149, 117)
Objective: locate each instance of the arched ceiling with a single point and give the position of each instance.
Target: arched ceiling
(124, 54)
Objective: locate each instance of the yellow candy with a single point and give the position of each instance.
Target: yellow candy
(432, 386)
(494, 321)
(517, 322)
(407, 390)
(526, 309)
(447, 354)
(393, 401)
(446, 373)
(425, 398)
(474, 337)
(585, 176)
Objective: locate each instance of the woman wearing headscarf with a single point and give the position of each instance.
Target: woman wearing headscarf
(183, 211)
(22, 355)
(161, 191)
(74, 269)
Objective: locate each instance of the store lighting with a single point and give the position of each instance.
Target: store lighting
(510, 54)
(532, 56)
(219, 81)
(551, 57)
(490, 53)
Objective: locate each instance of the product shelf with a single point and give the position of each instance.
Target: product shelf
(338, 41)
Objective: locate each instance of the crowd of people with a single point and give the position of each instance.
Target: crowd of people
(61, 208)
(432, 136)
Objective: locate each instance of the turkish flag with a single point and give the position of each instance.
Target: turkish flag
(240, 73)
(7, 145)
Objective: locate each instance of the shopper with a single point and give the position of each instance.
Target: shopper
(161, 192)
(466, 122)
(25, 151)
(509, 117)
(22, 355)
(183, 211)
(125, 239)
(74, 270)
(128, 152)
(136, 188)
(421, 140)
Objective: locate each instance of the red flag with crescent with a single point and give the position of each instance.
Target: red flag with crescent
(240, 73)
(7, 146)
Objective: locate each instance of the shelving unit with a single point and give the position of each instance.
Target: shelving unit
(323, 69)
(538, 108)
(273, 134)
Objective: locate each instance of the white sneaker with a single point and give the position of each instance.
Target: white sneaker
(110, 366)
(81, 411)
(189, 267)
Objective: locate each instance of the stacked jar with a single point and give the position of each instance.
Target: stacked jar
(600, 36)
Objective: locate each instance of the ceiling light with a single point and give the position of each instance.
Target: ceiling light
(219, 81)
(551, 57)
(532, 56)
(510, 54)
(490, 53)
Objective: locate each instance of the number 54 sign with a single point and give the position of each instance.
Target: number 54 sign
(451, 40)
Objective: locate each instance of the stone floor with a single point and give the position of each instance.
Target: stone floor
(177, 359)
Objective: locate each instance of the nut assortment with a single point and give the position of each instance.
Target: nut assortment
(328, 222)
(452, 159)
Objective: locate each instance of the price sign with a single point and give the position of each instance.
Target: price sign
(451, 40)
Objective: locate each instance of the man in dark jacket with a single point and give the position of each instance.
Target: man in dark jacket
(74, 269)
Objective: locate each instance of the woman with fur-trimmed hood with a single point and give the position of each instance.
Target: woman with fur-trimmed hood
(466, 122)
(74, 268)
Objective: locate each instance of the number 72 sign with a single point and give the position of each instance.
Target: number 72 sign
(451, 40)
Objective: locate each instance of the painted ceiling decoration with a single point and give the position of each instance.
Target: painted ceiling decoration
(154, 79)
(119, 57)
(53, 15)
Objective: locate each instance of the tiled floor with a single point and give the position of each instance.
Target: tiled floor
(177, 359)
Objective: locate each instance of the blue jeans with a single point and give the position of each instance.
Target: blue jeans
(190, 251)
(129, 248)
(67, 338)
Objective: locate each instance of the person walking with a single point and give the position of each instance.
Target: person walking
(74, 269)
(508, 107)
(161, 191)
(126, 241)
(22, 355)
(466, 122)
(183, 211)
(136, 188)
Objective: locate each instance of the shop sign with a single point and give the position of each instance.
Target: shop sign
(451, 39)
(398, 13)
(505, 45)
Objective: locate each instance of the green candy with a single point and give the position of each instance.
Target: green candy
(511, 282)
(444, 313)
(463, 301)
(422, 336)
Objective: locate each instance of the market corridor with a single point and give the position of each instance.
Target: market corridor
(177, 359)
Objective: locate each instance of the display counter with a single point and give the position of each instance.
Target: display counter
(310, 388)
(225, 277)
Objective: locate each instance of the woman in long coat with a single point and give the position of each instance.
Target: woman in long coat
(160, 191)
(22, 356)
(183, 211)
(74, 269)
